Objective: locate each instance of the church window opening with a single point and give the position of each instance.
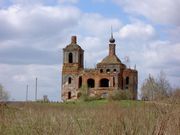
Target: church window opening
(69, 80)
(69, 95)
(90, 83)
(114, 70)
(108, 70)
(101, 70)
(70, 58)
(104, 83)
(80, 82)
(127, 80)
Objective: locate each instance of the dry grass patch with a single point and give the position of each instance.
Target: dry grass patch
(104, 118)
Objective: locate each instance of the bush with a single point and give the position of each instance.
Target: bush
(4, 96)
(175, 95)
(84, 95)
(120, 95)
(91, 98)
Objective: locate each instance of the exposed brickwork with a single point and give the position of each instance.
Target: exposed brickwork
(110, 74)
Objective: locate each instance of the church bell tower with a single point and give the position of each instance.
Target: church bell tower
(73, 63)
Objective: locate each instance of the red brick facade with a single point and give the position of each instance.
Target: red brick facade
(110, 74)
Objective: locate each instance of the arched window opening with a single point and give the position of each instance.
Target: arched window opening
(69, 95)
(80, 82)
(101, 70)
(70, 58)
(104, 83)
(108, 71)
(81, 59)
(69, 80)
(127, 80)
(114, 70)
(90, 83)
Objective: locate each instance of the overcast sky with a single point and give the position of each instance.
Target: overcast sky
(33, 33)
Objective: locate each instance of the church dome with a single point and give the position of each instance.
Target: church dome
(111, 40)
(111, 60)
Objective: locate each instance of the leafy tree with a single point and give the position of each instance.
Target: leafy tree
(155, 88)
(4, 96)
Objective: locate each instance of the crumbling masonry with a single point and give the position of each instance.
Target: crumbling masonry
(109, 75)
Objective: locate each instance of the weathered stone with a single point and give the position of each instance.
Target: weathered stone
(109, 75)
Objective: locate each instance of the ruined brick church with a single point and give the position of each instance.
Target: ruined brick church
(109, 75)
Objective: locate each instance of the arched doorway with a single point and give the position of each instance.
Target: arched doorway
(104, 82)
(90, 83)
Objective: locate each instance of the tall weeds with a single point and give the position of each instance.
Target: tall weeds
(111, 118)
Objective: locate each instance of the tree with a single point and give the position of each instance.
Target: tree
(148, 88)
(163, 86)
(4, 96)
(155, 88)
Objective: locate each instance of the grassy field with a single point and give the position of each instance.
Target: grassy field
(90, 118)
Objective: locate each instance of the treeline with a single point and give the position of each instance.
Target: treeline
(158, 88)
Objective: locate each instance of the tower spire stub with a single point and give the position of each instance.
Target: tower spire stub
(111, 40)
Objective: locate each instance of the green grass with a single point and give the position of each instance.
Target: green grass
(93, 103)
(78, 103)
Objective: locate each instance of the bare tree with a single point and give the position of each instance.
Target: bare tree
(148, 88)
(163, 87)
(155, 88)
(4, 96)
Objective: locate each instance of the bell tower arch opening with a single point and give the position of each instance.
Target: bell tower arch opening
(69, 80)
(70, 58)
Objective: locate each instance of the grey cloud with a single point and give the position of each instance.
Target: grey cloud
(34, 35)
(18, 22)
(28, 55)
